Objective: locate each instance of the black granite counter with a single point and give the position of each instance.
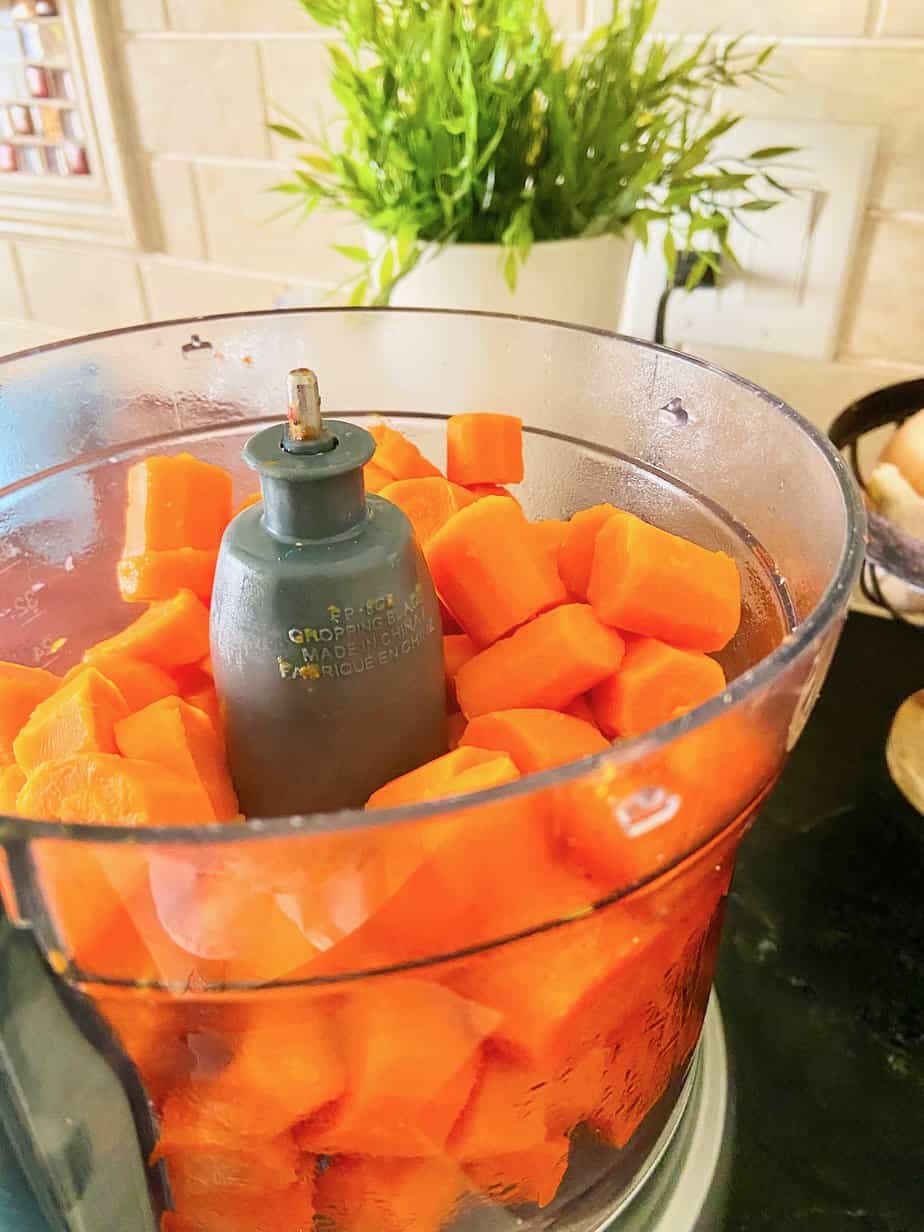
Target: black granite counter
(822, 970)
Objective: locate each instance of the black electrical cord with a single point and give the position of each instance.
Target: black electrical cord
(685, 263)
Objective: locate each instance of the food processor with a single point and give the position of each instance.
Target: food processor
(412, 1019)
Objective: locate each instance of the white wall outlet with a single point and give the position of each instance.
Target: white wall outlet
(789, 295)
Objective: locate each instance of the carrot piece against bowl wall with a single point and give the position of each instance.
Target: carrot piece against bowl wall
(398, 455)
(548, 663)
(176, 502)
(576, 553)
(654, 681)
(412, 1053)
(172, 633)
(484, 448)
(389, 1195)
(532, 1175)
(535, 739)
(648, 581)
(284, 1066)
(278, 1210)
(108, 789)
(21, 690)
(139, 683)
(159, 575)
(489, 570)
(453, 774)
(428, 503)
(79, 718)
(176, 735)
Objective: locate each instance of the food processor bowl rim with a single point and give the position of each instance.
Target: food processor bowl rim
(740, 690)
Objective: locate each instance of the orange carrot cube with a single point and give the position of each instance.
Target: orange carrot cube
(489, 570)
(159, 575)
(21, 690)
(176, 735)
(647, 581)
(484, 448)
(171, 633)
(548, 663)
(176, 502)
(653, 682)
(79, 718)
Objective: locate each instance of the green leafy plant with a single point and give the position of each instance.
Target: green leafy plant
(468, 121)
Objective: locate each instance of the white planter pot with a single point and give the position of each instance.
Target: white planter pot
(581, 281)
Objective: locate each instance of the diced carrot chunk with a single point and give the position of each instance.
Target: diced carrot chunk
(653, 682)
(428, 503)
(533, 1175)
(542, 986)
(580, 708)
(108, 789)
(284, 1067)
(453, 774)
(404, 1091)
(159, 575)
(456, 725)
(481, 490)
(176, 502)
(79, 718)
(576, 553)
(170, 634)
(278, 1210)
(535, 739)
(507, 1111)
(21, 690)
(548, 663)
(484, 448)
(467, 890)
(140, 683)
(176, 735)
(203, 1174)
(12, 781)
(549, 535)
(389, 1195)
(207, 701)
(398, 455)
(458, 648)
(489, 570)
(376, 477)
(647, 581)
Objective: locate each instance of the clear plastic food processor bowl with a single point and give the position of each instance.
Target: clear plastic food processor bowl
(245, 1027)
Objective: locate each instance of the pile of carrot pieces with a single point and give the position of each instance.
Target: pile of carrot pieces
(560, 637)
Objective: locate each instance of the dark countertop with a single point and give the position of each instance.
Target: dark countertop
(821, 976)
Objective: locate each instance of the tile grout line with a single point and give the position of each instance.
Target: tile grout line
(21, 280)
(264, 100)
(914, 217)
(821, 41)
(876, 19)
(200, 209)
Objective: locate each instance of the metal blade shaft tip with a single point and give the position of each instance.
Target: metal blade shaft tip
(303, 406)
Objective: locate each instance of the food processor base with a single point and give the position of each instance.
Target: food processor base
(685, 1190)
